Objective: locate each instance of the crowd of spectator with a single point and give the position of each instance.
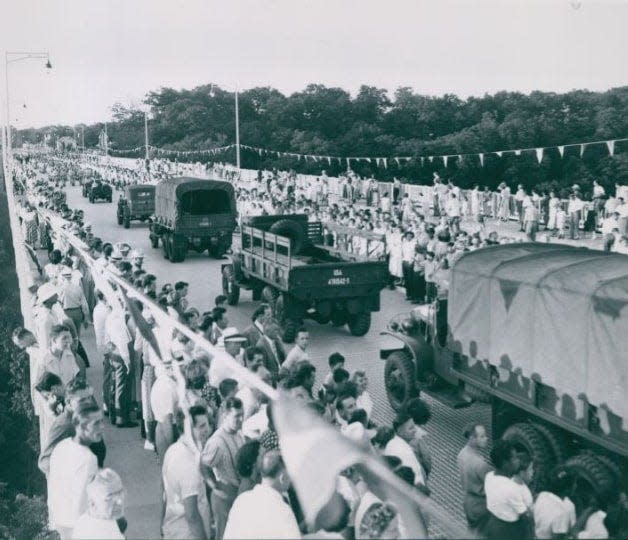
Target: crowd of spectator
(222, 470)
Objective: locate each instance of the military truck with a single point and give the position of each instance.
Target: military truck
(193, 213)
(100, 191)
(283, 261)
(136, 203)
(539, 331)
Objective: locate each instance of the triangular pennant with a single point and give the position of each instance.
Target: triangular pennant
(561, 151)
(539, 154)
(509, 290)
(500, 153)
(259, 150)
(611, 147)
(422, 161)
(445, 158)
(397, 161)
(517, 152)
(328, 160)
(582, 149)
(368, 159)
(385, 160)
(377, 160)
(481, 159)
(431, 158)
(460, 158)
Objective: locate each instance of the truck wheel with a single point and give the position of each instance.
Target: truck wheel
(269, 295)
(177, 252)
(527, 439)
(292, 230)
(359, 323)
(400, 379)
(592, 478)
(229, 287)
(338, 318)
(613, 468)
(127, 221)
(555, 440)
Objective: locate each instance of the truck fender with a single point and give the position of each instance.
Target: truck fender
(417, 347)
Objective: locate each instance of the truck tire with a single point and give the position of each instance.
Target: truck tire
(269, 295)
(289, 327)
(229, 287)
(555, 440)
(292, 230)
(338, 318)
(360, 323)
(177, 251)
(400, 379)
(528, 439)
(613, 468)
(591, 478)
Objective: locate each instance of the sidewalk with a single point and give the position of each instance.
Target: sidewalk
(137, 467)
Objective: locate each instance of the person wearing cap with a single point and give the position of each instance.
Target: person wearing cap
(137, 259)
(73, 300)
(221, 321)
(232, 342)
(574, 211)
(106, 498)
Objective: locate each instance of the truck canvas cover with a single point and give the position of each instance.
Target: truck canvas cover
(172, 189)
(557, 313)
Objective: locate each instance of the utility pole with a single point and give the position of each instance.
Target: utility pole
(146, 135)
(237, 126)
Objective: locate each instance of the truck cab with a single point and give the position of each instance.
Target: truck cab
(136, 203)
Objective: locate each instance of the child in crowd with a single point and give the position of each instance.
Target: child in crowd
(364, 400)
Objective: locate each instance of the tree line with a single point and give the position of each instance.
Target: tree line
(329, 121)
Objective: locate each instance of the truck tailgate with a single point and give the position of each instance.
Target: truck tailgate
(334, 280)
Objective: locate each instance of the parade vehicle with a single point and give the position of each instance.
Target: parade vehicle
(193, 213)
(100, 191)
(283, 260)
(86, 184)
(136, 203)
(539, 331)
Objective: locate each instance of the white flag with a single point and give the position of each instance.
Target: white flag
(431, 158)
(582, 149)
(517, 152)
(611, 147)
(328, 160)
(539, 154)
(397, 161)
(561, 151)
(499, 153)
(481, 159)
(445, 158)
(385, 160)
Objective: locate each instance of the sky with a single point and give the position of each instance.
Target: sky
(109, 51)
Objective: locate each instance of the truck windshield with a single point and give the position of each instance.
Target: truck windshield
(205, 201)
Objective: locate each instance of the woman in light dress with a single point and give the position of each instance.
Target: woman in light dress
(554, 204)
(393, 245)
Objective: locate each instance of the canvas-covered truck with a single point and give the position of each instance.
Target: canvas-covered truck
(193, 214)
(539, 331)
(136, 203)
(282, 261)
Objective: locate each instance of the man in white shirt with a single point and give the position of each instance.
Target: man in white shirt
(262, 511)
(72, 466)
(187, 513)
(399, 447)
(99, 316)
(73, 300)
(251, 397)
(574, 210)
(298, 352)
(164, 402)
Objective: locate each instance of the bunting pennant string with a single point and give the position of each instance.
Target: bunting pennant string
(379, 161)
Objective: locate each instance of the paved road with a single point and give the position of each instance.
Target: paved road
(203, 275)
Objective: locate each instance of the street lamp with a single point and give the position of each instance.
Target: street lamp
(11, 57)
(237, 122)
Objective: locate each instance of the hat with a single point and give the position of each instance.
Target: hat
(116, 255)
(46, 292)
(137, 254)
(66, 271)
(232, 334)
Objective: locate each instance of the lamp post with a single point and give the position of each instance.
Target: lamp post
(11, 57)
(237, 123)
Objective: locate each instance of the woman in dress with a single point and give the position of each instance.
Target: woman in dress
(393, 245)
(553, 205)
